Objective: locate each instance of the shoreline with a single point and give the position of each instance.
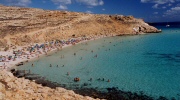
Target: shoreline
(89, 91)
(109, 93)
(8, 65)
(12, 64)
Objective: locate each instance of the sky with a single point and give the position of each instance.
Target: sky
(149, 10)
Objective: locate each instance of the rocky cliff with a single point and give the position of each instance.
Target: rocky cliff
(12, 88)
(20, 26)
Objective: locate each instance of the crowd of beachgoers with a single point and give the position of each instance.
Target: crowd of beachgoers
(17, 55)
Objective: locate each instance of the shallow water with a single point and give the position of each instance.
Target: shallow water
(148, 63)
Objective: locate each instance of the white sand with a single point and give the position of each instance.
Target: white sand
(10, 63)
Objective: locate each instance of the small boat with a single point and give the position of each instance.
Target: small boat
(167, 25)
(76, 79)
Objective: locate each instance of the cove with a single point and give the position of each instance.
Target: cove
(148, 63)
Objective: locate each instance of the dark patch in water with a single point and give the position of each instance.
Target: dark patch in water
(112, 93)
(150, 53)
(170, 57)
(178, 55)
(115, 94)
(178, 61)
(167, 57)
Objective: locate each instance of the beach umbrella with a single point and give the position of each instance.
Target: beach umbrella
(4, 58)
(41, 46)
(36, 46)
(1, 60)
(32, 49)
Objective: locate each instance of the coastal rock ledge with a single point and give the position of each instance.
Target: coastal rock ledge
(12, 88)
(21, 26)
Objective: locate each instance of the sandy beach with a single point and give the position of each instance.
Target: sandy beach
(29, 88)
(9, 79)
(11, 63)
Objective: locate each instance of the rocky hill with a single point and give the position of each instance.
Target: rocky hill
(20, 26)
(12, 88)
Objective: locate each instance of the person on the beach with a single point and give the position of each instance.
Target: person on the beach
(4, 66)
(50, 65)
(103, 79)
(108, 80)
(67, 73)
(95, 56)
(90, 79)
(32, 65)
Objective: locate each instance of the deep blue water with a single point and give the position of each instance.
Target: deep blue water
(163, 24)
(148, 63)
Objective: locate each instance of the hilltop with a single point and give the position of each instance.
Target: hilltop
(20, 26)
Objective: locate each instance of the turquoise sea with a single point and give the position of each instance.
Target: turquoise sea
(148, 63)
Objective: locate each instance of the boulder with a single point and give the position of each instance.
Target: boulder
(29, 91)
(17, 96)
(44, 95)
(2, 87)
(8, 94)
(8, 79)
(60, 89)
(10, 74)
(11, 84)
(2, 96)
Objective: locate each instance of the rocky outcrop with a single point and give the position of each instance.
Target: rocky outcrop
(138, 25)
(12, 88)
(20, 26)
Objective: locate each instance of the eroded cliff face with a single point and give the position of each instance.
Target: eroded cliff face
(12, 88)
(20, 26)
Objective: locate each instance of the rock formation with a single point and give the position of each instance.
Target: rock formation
(20, 26)
(12, 88)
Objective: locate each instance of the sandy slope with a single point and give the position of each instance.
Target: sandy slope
(20, 26)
